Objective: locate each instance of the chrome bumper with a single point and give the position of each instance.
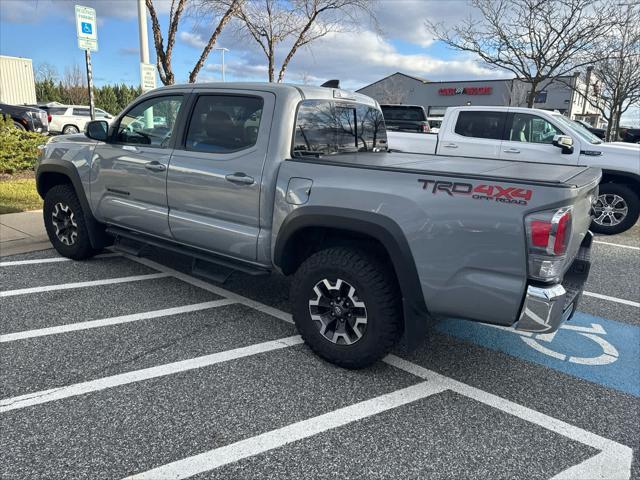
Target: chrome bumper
(543, 310)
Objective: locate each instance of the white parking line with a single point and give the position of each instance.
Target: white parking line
(274, 312)
(249, 447)
(614, 460)
(617, 245)
(45, 396)
(52, 260)
(612, 299)
(72, 327)
(93, 283)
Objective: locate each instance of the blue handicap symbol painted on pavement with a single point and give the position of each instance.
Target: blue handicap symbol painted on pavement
(86, 27)
(592, 348)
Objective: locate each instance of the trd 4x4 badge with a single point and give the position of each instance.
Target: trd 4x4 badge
(497, 193)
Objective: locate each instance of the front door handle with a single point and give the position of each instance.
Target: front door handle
(240, 178)
(155, 166)
(450, 145)
(512, 150)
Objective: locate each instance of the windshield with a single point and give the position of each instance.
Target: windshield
(578, 128)
(325, 127)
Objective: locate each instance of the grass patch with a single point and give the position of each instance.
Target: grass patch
(19, 195)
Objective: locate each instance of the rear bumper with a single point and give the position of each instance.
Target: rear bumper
(546, 308)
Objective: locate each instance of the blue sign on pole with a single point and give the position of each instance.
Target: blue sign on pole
(86, 28)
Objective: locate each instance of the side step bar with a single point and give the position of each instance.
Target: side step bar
(203, 264)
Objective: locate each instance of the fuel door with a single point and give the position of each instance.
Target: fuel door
(298, 190)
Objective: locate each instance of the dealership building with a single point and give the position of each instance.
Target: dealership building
(435, 97)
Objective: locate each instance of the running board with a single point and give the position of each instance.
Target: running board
(203, 264)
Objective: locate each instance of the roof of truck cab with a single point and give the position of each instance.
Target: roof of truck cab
(307, 92)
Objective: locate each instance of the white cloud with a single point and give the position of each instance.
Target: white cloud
(34, 11)
(194, 40)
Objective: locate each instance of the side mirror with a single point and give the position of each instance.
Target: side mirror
(97, 130)
(564, 142)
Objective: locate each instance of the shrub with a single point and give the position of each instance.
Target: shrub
(18, 148)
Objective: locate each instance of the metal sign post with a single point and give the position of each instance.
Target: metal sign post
(87, 57)
(87, 31)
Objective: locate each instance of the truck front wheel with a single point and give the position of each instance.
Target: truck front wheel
(616, 209)
(65, 223)
(347, 306)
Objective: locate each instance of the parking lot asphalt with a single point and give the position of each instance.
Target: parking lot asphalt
(122, 366)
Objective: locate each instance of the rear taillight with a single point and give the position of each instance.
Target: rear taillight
(424, 128)
(49, 118)
(548, 236)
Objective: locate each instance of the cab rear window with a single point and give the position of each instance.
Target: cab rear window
(480, 124)
(325, 127)
(413, 114)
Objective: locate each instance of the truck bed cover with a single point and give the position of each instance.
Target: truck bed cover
(466, 167)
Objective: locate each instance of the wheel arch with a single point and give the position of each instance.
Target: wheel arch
(56, 172)
(308, 229)
(624, 178)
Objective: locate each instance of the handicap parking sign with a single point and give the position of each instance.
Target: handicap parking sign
(86, 28)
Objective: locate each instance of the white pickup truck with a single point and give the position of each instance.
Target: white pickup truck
(540, 136)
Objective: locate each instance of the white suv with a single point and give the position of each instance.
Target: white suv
(72, 118)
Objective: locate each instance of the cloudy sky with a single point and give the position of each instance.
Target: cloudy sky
(44, 30)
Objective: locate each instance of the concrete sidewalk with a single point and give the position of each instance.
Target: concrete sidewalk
(22, 232)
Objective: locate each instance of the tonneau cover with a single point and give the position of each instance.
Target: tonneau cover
(561, 175)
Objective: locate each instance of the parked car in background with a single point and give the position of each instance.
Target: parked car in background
(26, 118)
(630, 135)
(434, 124)
(598, 132)
(72, 118)
(405, 118)
(539, 136)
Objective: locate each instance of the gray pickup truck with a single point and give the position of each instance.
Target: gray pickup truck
(298, 179)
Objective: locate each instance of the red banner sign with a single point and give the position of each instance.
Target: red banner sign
(466, 91)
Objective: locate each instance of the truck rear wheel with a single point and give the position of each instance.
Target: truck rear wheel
(347, 306)
(65, 223)
(616, 209)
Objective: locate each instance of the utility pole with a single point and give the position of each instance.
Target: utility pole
(142, 29)
(222, 49)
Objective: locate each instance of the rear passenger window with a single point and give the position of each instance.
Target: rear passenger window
(481, 124)
(81, 112)
(224, 123)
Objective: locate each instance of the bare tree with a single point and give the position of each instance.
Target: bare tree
(45, 72)
(225, 8)
(75, 85)
(537, 40)
(614, 85)
(297, 23)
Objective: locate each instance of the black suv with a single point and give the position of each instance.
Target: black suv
(26, 118)
(405, 118)
(631, 135)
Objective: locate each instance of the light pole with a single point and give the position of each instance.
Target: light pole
(222, 49)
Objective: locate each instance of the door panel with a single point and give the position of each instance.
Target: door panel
(213, 184)
(129, 174)
(474, 133)
(529, 137)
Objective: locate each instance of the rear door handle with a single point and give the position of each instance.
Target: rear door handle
(155, 166)
(512, 150)
(450, 145)
(240, 178)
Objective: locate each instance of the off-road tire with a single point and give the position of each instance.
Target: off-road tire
(65, 195)
(377, 287)
(633, 204)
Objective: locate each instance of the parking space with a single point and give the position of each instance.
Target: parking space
(125, 366)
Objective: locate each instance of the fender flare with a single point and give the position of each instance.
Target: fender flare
(632, 178)
(97, 235)
(383, 229)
